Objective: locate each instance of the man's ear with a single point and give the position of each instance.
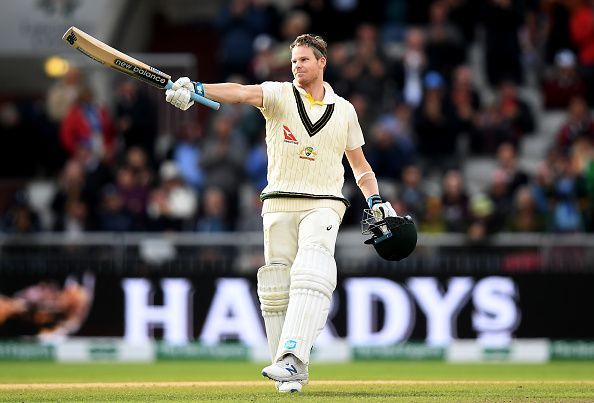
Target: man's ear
(323, 62)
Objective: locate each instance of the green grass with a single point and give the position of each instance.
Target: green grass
(410, 381)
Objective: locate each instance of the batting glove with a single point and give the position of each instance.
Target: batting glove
(179, 94)
(380, 208)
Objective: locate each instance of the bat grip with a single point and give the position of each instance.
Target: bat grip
(199, 98)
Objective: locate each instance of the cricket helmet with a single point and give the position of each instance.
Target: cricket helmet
(393, 238)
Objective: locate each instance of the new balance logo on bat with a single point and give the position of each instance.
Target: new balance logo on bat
(289, 136)
(142, 73)
(71, 38)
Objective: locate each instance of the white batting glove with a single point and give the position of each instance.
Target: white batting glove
(380, 208)
(179, 94)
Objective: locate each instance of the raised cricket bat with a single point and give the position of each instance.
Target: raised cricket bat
(105, 54)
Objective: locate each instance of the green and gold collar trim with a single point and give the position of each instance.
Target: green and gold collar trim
(312, 128)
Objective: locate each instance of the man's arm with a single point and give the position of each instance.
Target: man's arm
(179, 94)
(365, 178)
(232, 93)
(363, 173)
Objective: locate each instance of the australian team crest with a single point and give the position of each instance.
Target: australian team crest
(308, 153)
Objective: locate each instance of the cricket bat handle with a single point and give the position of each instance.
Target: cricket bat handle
(199, 98)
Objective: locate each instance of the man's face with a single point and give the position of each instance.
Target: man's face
(306, 68)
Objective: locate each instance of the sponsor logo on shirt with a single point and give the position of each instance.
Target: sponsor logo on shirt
(289, 136)
(308, 153)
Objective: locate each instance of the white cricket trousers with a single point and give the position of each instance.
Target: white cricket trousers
(285, 232)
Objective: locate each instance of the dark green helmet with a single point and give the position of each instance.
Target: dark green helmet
(393, 238)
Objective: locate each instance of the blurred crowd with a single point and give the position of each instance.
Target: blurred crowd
(407, 69)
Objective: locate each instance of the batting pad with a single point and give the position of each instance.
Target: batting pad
(273, 292)
(313, 279)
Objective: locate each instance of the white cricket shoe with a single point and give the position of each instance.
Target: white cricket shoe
(288, 387)
(287, 369)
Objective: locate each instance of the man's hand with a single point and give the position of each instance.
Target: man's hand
(179, 94)
(380, 208)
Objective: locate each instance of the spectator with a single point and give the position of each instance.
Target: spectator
(582, 34)
(490, 130)
(408, 71)
(172, 205)
(250, 219)
(412, 194)
(444, 46)
(454, 201)
(366, 70)
(214, 215)
(246, 120)
(542, 188)
(88, 122)
(238, 23)
(293, 24)
(514, 109)
(113, 215)
(63, 94)
(338, 56)
(507, 120)
(70, 202)
(136, 118)
(269, 62)
(482, 218)
(579, 124)
(507, 161)
(97, 174)
(187, 154)
(264, 63)
(132, 192)
(137, 161)
(525, 216)
(502, 21)
(465, 98)
(568, 191)
(391, 147)
(433, 220)
(20, 218)
(367, 115)
(501, 198)
(223, 161)
(256, 165)
(435, 126)
(562, 82)
(587, 171)
(557, 15)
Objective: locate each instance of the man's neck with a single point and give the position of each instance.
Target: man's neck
(316, 90)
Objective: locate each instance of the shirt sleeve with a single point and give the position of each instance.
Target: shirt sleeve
(271, 97)
(355, 134)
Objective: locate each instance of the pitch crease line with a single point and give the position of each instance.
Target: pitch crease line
(115, 385)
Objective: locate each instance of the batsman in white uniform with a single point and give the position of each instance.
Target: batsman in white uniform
(308, 130)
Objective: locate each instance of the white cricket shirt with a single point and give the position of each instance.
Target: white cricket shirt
(305, 146)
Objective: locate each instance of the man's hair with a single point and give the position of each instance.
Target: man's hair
(315, 42)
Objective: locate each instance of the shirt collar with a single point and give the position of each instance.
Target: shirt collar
(329, 96)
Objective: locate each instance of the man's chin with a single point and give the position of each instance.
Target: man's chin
(301, 81)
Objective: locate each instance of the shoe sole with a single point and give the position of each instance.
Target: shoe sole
(290, 391)
(304, 380)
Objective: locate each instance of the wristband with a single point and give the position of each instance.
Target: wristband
(199, 88)
(373, 200)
